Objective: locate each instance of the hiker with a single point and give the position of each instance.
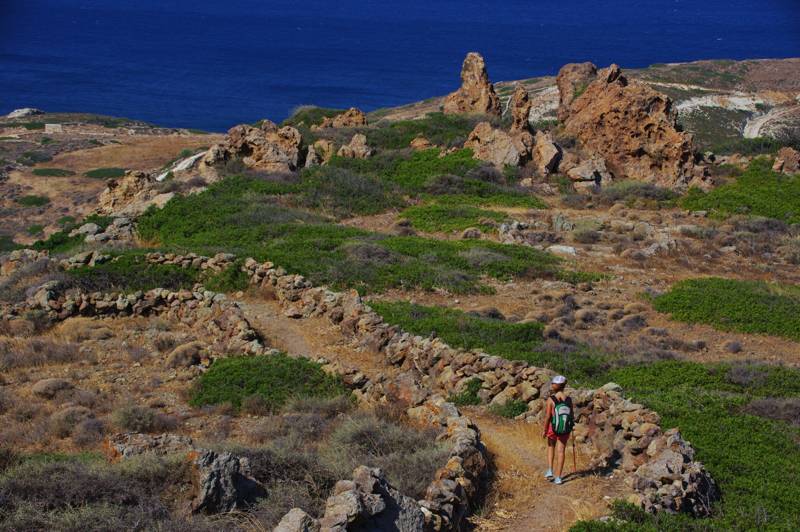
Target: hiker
(558, 423)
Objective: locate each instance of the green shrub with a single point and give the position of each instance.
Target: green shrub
(440, 129)
(61, 242)
(757, 192)
(36, 229)
(105, 173)
(30, 158)
(31, 126)
(510, 409)
(435, 217)
(7, 243)
(469, 395)
(732, 305)
(231, 279)
(276, 378)
(142, 419)
(310, 115)
(52, 172)
(132, 272)
(340, 192)
(637, 193)
(33, 201)
(757, 146)
(414, 173)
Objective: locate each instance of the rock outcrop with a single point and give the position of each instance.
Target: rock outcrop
(224, 483)
(266, 147)
(131, 195)
(24, 112)
(572, 80)
(787, 161)
(320, 153)
(499, 147)
(476, 94)
(353, 117)
(632, 127)
(520, 106)
(357, 149)
(546, 153)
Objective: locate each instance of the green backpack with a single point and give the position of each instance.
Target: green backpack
(562, 420)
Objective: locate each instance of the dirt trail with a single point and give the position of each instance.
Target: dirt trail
(520, 499)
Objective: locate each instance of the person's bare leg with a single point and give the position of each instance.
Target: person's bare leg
(551, 451)
(561, 449)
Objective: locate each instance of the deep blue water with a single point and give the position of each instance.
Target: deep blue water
(211, 63)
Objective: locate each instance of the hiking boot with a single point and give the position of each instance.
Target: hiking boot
(558, 481)
(548, 474)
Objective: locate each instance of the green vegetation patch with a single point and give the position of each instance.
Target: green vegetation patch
(30, 158)
(106, 173)
(52, 172)
(275, 378)
(757, 192)
(35, 229)
(439, 128)
(7, 244)
(249, 217)
(436, 217)
(340, 192)
(61, 242)
(755, 460)
(732, 305)
(231, 279)
(131, 272)
(33, 201)
(309, 115)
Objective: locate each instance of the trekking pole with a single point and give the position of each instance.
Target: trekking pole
(574, 459)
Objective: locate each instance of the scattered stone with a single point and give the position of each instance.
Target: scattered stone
(476, 94)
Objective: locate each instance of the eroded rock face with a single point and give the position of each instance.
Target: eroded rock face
(267, 147)
(353, 117)
(131, 195)
(572, 80)
(546, 153)
(787, 161)
(476, 94)
(499, 147)
(224, 483)
(633, 128)
(320, 153)
(357, 149)
(520, 110)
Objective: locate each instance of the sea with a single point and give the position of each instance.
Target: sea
(210, 64)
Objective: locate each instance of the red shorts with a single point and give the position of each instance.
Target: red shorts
(552, 436)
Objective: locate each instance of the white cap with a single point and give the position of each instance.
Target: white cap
(559, 379)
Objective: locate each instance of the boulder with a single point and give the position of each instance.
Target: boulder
(320, 153)
(420, 143)
(546, 153)
(633, 127)
(591, 170)
(572, 80)
(49, 388)
(357, 149)
(787, 161)
(297, 521)
(267, 147)
(476, 94)
(129, 193)
(353, 117)
(185, 355)
(223, 483)
(520, 106)
(499, 147)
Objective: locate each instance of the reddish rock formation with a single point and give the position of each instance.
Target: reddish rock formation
(353, 117)
(520, 109)
(267, 147)
(572, 80)
(420, 143)
(476, 94)
(633, 128)
(545, 154)
(320, 153)
(357, 149)
(787, 161)
(499, 147)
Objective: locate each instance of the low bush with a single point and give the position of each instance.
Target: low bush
(732, 305)
(469, 395)
(131, 272)
(636, 193)
(309, 115)
(340, 192)
(52, 172)
(7, 244)
(31, 158)
(142, 419)
(105, 173)
(35, 352)
(757, 192)
(33, 201)
(435, 217)
(440, 129)
(276, 378)
(231, 279)
(510, 409)
(61, 242)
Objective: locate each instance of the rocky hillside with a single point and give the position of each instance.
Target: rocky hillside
(349, 320)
